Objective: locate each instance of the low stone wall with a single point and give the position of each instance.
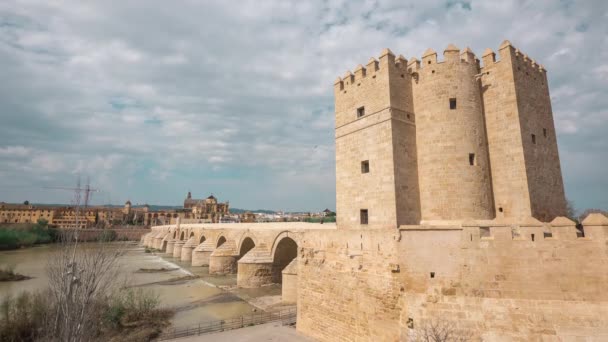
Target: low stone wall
(486, 280)
(347, 290)
(121, 234)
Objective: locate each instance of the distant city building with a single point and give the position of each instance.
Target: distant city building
(248, 217)
(206, 209)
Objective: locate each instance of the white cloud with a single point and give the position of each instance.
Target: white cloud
(152, 99)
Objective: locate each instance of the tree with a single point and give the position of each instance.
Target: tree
(80, 277)
(440, 330)
(570, 211)
(586, 213)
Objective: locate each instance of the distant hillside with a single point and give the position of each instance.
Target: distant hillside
(154, 207)
(240, 211)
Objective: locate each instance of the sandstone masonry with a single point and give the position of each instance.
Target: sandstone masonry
(450, 140)
(450, 209)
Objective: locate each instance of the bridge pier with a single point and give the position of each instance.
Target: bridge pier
(149, 238)
(187, 249)
(144, 238)
(224, 259)
(177, 248)
(201, 254)
(289, 288)
(255, 269)
(170, 245)
(164, 242)
(158, 240)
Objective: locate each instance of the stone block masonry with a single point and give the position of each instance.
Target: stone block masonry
(445, 140)
(450, 207)
(491, 281)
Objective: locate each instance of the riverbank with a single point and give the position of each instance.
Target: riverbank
(24, 235)
(14, 236)
(191, 292)
(8, 274)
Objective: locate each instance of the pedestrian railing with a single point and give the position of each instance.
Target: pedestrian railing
(285, 316)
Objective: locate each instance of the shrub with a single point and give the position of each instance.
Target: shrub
(24, 235)
(131, 314)
(108, 235)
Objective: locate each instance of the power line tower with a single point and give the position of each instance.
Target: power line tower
(79, 191)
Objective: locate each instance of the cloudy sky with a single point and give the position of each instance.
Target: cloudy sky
(151, 99)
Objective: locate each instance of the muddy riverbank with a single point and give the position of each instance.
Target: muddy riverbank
(195, 295)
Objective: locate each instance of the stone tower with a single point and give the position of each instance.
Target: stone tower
(376, 171)
(453, 165)
(445, 140)
(526, 174)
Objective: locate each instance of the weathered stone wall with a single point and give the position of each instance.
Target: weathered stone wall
(526, 281)
(347, 286)
(449, 139)
(384, 136)
(420, 150)
(526, 174)
(289, 287)
(545, 182)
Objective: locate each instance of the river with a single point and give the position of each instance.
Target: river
(194, 300)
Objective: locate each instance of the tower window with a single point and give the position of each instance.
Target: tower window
(360, 111)
(472, 160)
(534, 138)
(365, 166)
(545, 132)
(484, 232)
(364, 216)
(452, 103)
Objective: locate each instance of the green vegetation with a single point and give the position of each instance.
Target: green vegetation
(128, 315)
(108, 235)
(152, 250)
(8, 274)
(15, 236)
(319, 219)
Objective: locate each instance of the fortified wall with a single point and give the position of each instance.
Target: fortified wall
(489, 281)
(450, 208)
(436, 141)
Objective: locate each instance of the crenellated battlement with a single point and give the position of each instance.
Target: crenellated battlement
(519, 59)
(451, 54)
(386, 61)
(490, 110)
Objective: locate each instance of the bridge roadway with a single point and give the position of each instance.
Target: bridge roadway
(259, 253)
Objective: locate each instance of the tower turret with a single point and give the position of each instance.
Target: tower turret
(453, 166)
(526, 173)
(376, 173)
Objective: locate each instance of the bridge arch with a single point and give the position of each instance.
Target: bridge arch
(220, 241)
(181, 237)
(284, 251)
(202, 238)
(247, 244)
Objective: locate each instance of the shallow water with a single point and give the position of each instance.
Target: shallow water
(194, 300)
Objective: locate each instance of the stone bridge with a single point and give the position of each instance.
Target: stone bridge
(259, 253)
